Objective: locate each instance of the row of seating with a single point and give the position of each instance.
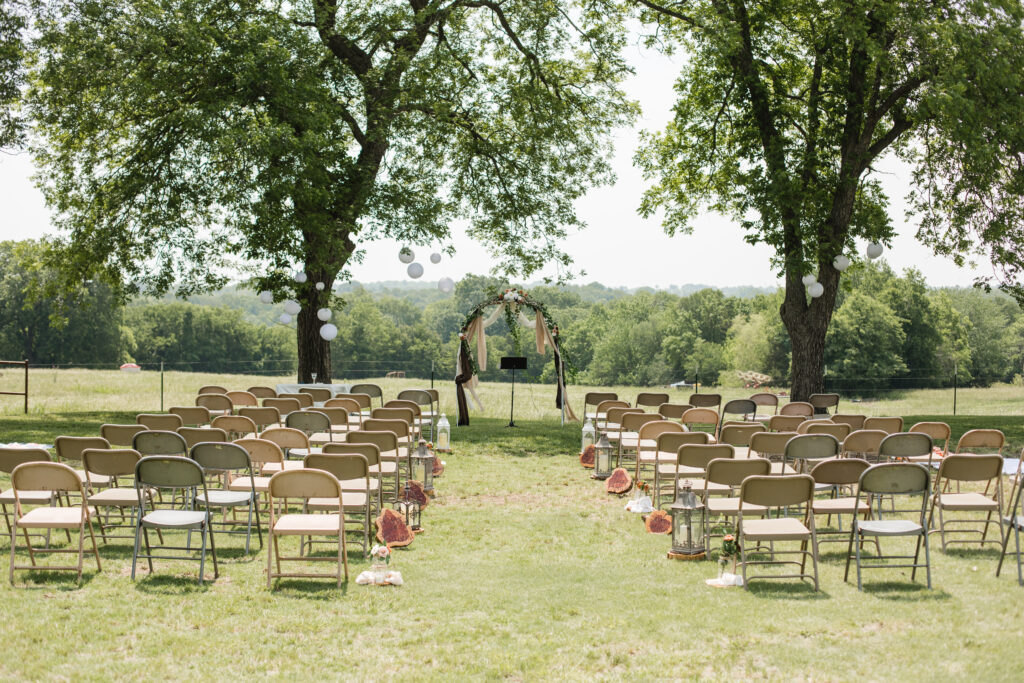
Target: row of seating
(816, 405)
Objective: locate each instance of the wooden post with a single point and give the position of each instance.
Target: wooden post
(26, 386)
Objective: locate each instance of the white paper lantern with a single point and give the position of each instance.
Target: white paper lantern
(285, 319)
(319, 286)
(415, 270)
(446, 285)
(292, 307)
(816, 290)
(406, 255)
(324, 314)
(435, 258)
(875, 250)
(328, 331)
(841, 263)
(809, 280)
(267, 297)
(300, 277)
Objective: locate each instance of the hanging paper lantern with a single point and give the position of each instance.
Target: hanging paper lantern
(841, 263)
(809, 280)
(300, 277)
(267, 297)
(406, 255)
(324, 314)
(292, 307)
(435, 258)
(285, 319)
(874, 250)
(446, 285)
(319, 286)
(415, 270)
(816, 290)
(328, 331)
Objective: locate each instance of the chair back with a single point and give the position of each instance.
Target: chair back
(308, 421)
(614, 415)
(402, 403)
(337, 416)
(261, 417)
(261, 451)
(363, 400)
(212, 389)
(194, 435)
(981, 439)
(262, 392)
(286, 437)
(305, 400)
(305, 483)
(970, 467)
(822, 402)
(235, 425)
(110, 462)
(349, 404)
(605, 405)
(342, 465)
(767, 400)
(159, 443)
(894, 477)
(838, 430)
(695, 418)
(863, 442)
(673, 411)
(905, 445)
(770, 444)
(777, 491)
(655, 428)
(12, 457)
(45, 476)
(785, 423)
(71, 447)
(839, 471)
(215, 402)
(890, 425)
(420, 397)
(649, 399)
(283, 406)
(120, 435)
(812, 447)
(371, 390)
(669, 442)
(938, 431)
(191, 416)
(168, 471)
(632, 422)
(384, 441)
(317, 394)
(399, 428)
(801, 408)
(243, 398)
(594, 398)
(389, 413)
(805, 425)
(855, 421)
(713, 401)
(740, 435)
(368, 450)
(740, 406)
(732, 471)
(221, 456)
(699, 455)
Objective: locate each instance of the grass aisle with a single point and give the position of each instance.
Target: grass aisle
(527, 570)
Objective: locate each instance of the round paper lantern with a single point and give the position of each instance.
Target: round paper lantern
(406, 255)
(300, 277)
(874, 250)
(816, 290)
(446, 285)
(328, 331)
(809, 280)
(285, 318)
(292, 307)
(267, 297)
(415, 270)
(319, 286)
(435, 258)
(324, 314)
(841, 263)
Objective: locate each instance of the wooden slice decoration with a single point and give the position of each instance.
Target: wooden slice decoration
(587, 458)
(619, 482)
(392, 529)
(417, 493)
(438, 467)
(659, 522)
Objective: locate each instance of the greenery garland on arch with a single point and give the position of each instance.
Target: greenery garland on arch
(513, 302)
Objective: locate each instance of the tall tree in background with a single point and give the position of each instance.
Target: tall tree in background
(174, 135)
(12, 35)
(785, 109)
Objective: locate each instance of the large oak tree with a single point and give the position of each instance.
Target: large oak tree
(786, 107)
(177, 135)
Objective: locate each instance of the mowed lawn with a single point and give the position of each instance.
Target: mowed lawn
(527, 570)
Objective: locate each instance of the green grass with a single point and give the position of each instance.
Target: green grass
(527, 570)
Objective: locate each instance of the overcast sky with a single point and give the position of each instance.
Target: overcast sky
(715, 254)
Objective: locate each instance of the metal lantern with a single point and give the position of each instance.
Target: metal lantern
(589, 435)
(603, 458)
(444, 435)
(687, 525)
(423, 466)
(409, 508)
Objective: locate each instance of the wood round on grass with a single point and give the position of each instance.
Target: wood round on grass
(620, 482)
(587, 457)
(392, 529)
(658, 522)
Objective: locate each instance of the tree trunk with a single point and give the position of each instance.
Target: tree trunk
(314, 350)
(807, 325)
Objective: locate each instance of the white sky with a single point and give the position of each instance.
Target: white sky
(715, 254)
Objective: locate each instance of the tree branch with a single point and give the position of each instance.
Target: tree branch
(661, 9)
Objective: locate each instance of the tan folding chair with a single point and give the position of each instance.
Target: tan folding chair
(673, 411)
(822, 403)
(57, 478)
(692, 464)
(601, 412)
(594, 398)
(372, 454)
(305, 400)
(739, 435)
(69, 451)
(243, 398)
(772, 445)
(855, 421)
(120, 435)
(767, 401)
(797, 408)
(804, 450)
(307, 484)
(354, 469)
(288, 440)
(114, 464)
(806, 424)
(11, 458)
(838, 430)
(729, 473)
(712, 401)
(785, 423)
(778, 492)
(863, 444)
(194, 435)
(647, 449)
(264, 456)
(212, 389)
(318, 395)
(647, 399)
(743, 407)
(217, 404)
(940, 433)
(629, 437)
(191, 416)
(264, 417)
(339, 419)
(1014, 522)
(313, 423)
(612, 427)
(889, 425)
(363, 400)
(237, 426)
(421, 397)
(355, 410)
(262, 392)
(972, 469)
(401, 410)
(701, 420)
(371, 390)
(402, 431)
(841, 476)
(387, 445)
(232, 462)
(667, 452)
(283, 406)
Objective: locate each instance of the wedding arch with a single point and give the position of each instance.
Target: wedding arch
(509, 304)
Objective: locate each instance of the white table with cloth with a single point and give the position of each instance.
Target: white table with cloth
(335, 389)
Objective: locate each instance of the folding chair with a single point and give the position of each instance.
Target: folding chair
(701, 419)
(176, 473)
(305, 484)
(371, 390)
(785, 423)
(968, 468)
(890, 425)
(242, 398)
(692, 464)
(212, 389)
(372, 454)
(402, 431)
(217, 404)
(159, 443)
(421, 397)
(594, 398)
(262, 392)
(160, 422)
(806, 424)
(629, 438)
(778, 492)
(266, 458)
(387, 446)
(838, 430)
(730, 473)
(797, 409)
(712, 401)
(837, 474)
(283, 406)
(352, 470)
(822, 402)
(855, 421)
(264, 417)
(69, 450)
(354, 409)
(601, 412)
(191, 416)
(293, 442)
(194, 435)
(739, 435)
(864, 444)
(401, 410)
(56, 478)
(804, 450)
(120, 435)
(895, 478)
(236, 426)
(230, 461)
(673, 411)
(772, 445)
(667, 453)
(743, 407)
(339, 418)
(1014, 522)
(767, 400)
(304, 399)
(112, 464)
(11, 458)
(940, 433)
(647, 443)
(647, 399)
(612, 427)
(318, 395)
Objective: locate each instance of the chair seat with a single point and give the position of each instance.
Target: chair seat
(660, 457)
(359, 484)
(669, 470)
(115, 497)
(322, 437)
(174, 519)
(96, 479)
(296, 524)
(242, 484)
(629, 440)
(225, 499)
(838, 506)
(389, 455)
(386, 467)
(52, 518)
(273, 467)
(782, 529)
(966, 501)
(1015, 521)
(27, 497)
(889, 527)
(731, 507)
(352, 501)
(712, 487)
(741, 452)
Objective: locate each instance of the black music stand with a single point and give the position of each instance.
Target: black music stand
(513, 363)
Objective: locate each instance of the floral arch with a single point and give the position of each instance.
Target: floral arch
(509, 303)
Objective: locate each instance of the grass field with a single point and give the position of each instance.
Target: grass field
(527, 571)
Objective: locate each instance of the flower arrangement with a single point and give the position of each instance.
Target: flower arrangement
(643, 487)
(730, 551)
(381, 553)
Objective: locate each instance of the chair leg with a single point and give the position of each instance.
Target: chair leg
(138, 538)
(14, 536)
(95, 550)
(814, 557)
(202, 552)
(927, 561)
(149, 550)
(1002, 555)
(271, 544)
(213, 548)
(857, 550)
(917, 554)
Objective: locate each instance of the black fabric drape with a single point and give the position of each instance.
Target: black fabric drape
(465, 374)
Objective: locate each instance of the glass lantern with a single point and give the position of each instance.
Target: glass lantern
(423, 466)
(409, 508)
(687, 525)
(444, 435)
(603, 458)
(589, 435)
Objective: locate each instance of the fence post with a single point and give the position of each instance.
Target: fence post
(431, 374)
(26, 386)
(955, 370)
(161, 386)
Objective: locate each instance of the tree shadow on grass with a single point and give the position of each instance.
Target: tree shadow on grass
(903, 591)
(528, 439)
(325, 588)
(173, 584)
(789, 589)
(64, 581)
